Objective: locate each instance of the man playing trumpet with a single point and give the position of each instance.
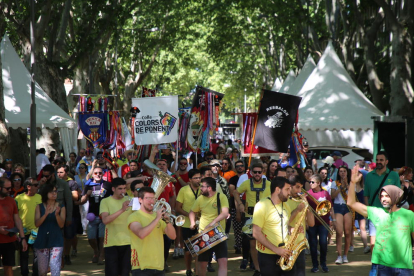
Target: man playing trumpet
(146, 230)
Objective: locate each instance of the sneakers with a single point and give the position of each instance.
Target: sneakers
(181, 253)
(314, 270)
(210, 268)
(256, 273)
(351, 248)
(367, 249)
(345, 259)
(176, 253)
(325, 269)
(339, 260)
(243, 265)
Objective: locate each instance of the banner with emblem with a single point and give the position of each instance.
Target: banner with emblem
(94, 127)
(277, 116)
(156, 121)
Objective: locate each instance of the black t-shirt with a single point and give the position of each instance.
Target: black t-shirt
(310, 155)
(99, 192)
(233, 181)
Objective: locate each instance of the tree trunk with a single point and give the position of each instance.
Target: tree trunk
(4, 141)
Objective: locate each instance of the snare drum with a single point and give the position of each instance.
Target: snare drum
(205, 240)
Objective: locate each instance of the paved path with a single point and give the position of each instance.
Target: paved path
(359, 262)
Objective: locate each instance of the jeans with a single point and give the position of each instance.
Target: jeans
(313, 233)
(382, 270)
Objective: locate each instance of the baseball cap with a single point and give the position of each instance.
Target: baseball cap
(328, 160)
(215, 162)
(336, 153)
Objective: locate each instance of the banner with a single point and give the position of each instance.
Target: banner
(249, 119)
(204, 118)
(156, 121)
(277, 116)
(94, 127)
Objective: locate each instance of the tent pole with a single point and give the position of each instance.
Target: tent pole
(33, 130)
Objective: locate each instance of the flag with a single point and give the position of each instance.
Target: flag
(249, 119)
(94, 127)
(156, 121)
(277, 116)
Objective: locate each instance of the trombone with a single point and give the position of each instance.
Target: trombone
(322, 208)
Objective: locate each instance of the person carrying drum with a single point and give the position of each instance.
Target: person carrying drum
(255, 188)
(214, 208)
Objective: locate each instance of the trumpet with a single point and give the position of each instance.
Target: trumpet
(179, 220)
(322, 208)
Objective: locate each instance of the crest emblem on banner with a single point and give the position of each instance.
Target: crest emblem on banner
(274, 120)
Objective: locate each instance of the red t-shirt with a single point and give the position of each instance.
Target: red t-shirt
(124, 169)
(8, 208)
(107, 176)
(177, 184)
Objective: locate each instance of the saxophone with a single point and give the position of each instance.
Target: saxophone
(293, 244)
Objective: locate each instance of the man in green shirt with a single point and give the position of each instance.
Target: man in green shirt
(372, 185)
(395, 226)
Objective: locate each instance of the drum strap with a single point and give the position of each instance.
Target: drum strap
(257, 190)
(218, 204)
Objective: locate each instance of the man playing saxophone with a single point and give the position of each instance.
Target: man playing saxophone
(297, 207)
(270, 228)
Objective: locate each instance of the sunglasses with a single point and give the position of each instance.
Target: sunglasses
(7, 188)
(8, 160)
(183, 163)
(216, 165)
(239, 166)
(209, 158)
(98, 173)
(34, 185)
(312, 182)
(17, 179)
(137, 189)
(225, 164)
(256, 172)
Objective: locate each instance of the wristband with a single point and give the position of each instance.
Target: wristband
(23, 238)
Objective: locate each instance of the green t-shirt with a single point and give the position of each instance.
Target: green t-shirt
(373, 181)
(393, 241)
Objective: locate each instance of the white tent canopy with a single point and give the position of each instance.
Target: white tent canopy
(277, 85)
(17, 95)
(333, 110)
(307, 69)
(290, 79)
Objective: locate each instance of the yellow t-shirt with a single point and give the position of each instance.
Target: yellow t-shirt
(27, 208)
(251, 195)
(292, 206)
(147, 253)
(266, 217)
(116, 232)
(208, 208)
(187, 198)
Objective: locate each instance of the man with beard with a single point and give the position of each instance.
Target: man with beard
(185, 200)
(392, 254)
(95, 191)
(255, 188)
(270, 228)
(216, 170)
(374, 180)
(9, 219)
(146, 231)
(214, 208)
(108, 169)
(114, 211)
(72, 230)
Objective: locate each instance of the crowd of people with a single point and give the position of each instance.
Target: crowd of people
(271, 206)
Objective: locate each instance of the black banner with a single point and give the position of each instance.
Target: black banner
(277, 116)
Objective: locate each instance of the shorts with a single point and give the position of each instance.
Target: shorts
(372, 230)
(7, 253)
(69, 232)
(341, 209)
(96, 229)
(269, 267)
(220, 250)
(187, 233)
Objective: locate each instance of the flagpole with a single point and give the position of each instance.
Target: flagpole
(255, 125)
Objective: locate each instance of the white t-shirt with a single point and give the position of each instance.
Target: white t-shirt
(327, 187)
(339, 199)
(41, 161)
